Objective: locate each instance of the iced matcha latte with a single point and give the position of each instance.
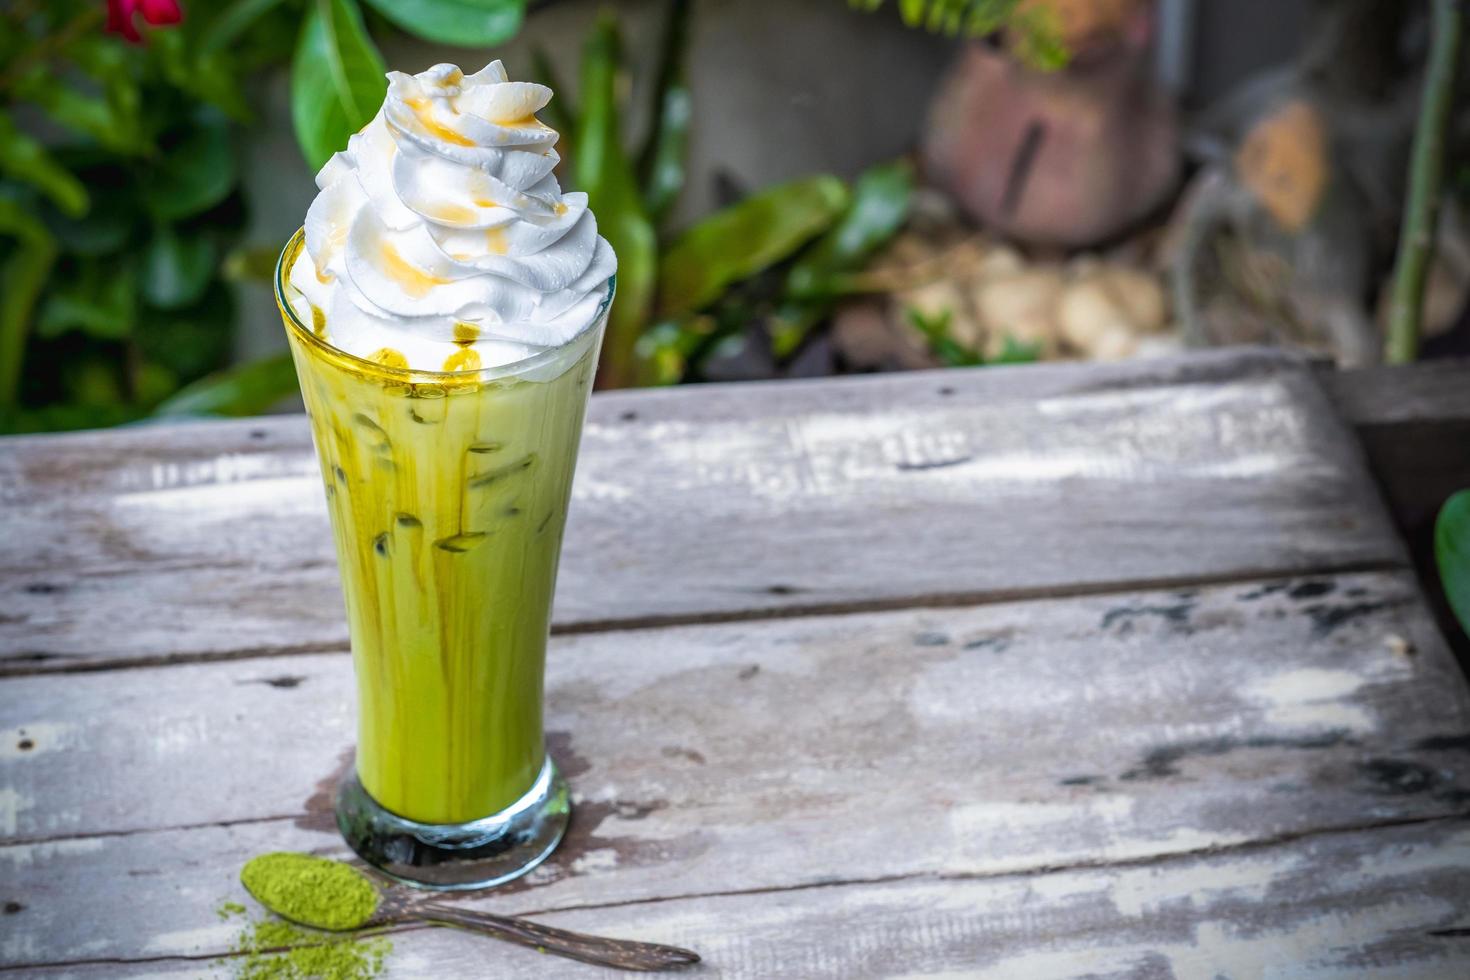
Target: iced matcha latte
(444, 304)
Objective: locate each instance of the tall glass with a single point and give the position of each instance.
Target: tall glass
(448, 494)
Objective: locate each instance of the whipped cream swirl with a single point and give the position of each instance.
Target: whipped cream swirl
(441, 240)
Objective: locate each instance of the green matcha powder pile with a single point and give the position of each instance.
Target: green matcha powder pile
(324, 893)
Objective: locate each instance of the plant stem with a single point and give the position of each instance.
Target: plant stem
(1426, 174)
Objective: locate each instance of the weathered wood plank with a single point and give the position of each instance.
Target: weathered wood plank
(727, 501)
(1414, 424)
(741, 756)
(1429, 392)
(1386, 903)
(710, 712)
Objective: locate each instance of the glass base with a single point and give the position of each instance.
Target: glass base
(477, 854)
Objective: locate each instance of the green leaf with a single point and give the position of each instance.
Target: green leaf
(25, 159)
(206, 76)
(989, 16)
(877, 210)
(605, 173)
(1039, 40)
(90, 115)
(879, 207)
(666, 348)
(631, 236)
(337, 79)
(792, 321)
(245, 390)
(97, 297)
(100, 56)
(177, 267)
(23, 273)
(152, 383)
(113, 66)
(194, 173)
(233, 21)
(559, 113)
(467, 23)
(93, 380)
(194, 341)
(661, 164)
(108, 222)
(1034, 32)
(744, 239)
(912, 11)
(598, 135)
(1013, 351)
(1452, 554)
(664, 174)
(936, 330)
(190, 342)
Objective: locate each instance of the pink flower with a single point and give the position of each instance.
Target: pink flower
(120, 14)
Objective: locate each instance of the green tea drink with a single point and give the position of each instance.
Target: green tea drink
(444, 304)
(447, 497)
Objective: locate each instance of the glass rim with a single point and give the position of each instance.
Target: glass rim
(513, 369)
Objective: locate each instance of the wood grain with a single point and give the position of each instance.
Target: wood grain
(1414, 425)
(210, 540)
(739, 757)
(1220, 736)
(1386, 903)
(1428, 392)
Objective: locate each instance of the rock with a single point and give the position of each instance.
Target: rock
(1106, 309)
(1021, 306)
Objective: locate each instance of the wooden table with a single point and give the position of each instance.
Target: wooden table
(1023, 672)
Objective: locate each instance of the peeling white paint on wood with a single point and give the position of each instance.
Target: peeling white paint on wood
(12, 804)
(1313, 699)
(1147, 475)
(1303, 922)
(1244, 778)
(789, 752)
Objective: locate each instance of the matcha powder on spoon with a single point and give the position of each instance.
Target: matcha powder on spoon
(313, 891)
(318, 892)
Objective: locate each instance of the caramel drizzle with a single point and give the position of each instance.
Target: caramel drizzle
(423, 111)
(414, 282)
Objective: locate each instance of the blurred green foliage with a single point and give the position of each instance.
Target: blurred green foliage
(119, 193)
(120, 201)
(121, 211)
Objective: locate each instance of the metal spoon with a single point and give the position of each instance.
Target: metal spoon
(397, 903)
